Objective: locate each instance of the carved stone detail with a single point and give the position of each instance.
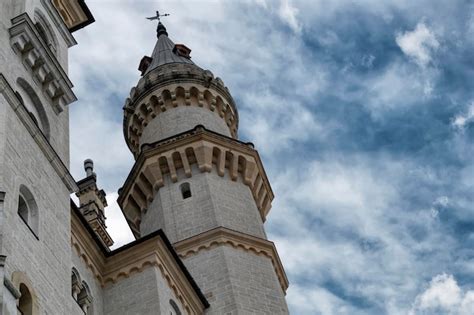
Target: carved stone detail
(41, 62)
(138, 115)
(210, 152)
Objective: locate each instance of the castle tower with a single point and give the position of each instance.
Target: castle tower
(197, 182)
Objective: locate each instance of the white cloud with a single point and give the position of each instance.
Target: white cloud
(288, 13)
(444, 296)
(418, 44)
(397, 86)
(317, 300)
(461, 120)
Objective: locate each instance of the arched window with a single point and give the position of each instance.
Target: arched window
(174, 308)
(25, 303)
(85, 299)
(185, 190)
(28, 209)
(76, 283)
(30, 100)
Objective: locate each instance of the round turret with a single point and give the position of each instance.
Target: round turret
(173, 96)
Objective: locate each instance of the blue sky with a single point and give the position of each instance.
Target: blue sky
(363, 113)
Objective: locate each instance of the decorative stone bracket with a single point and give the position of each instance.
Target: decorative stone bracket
(139, 114)
(210, 152)
(41, 62)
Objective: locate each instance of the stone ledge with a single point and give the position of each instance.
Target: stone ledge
(50, 154)
(225, 237)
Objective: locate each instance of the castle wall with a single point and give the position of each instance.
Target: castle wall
(180, 119)
(215, 201)
(133, 295)
(46, 261)
(237, 282)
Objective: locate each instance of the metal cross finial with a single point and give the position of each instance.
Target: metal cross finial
(158, 16)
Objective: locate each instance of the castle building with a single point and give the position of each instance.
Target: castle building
(196, 198)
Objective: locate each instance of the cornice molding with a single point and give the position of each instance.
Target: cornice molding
(211, 152)
(59, 22)
(41, 62)
(74, 13)
(109, 269)
(165, 97)
(225, 237)
(49, 152)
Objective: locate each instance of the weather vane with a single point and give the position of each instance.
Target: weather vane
(158, 16)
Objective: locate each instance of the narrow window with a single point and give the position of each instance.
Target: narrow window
(23, 209)
(185, 190)
(25, 303)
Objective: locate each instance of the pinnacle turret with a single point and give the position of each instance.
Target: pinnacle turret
(165, 52)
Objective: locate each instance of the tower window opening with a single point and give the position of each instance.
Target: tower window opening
(185, 190)
(23, 209)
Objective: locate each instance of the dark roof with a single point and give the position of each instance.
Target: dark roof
(160, 233)
(163, 52)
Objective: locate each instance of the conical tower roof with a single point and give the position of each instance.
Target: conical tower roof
(164, 52)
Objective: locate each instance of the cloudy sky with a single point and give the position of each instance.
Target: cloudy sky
(363, 113)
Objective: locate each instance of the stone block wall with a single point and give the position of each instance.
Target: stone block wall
(46, 261)
(180, 119)
(216, 201)
(144, 293)
(237, 282)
